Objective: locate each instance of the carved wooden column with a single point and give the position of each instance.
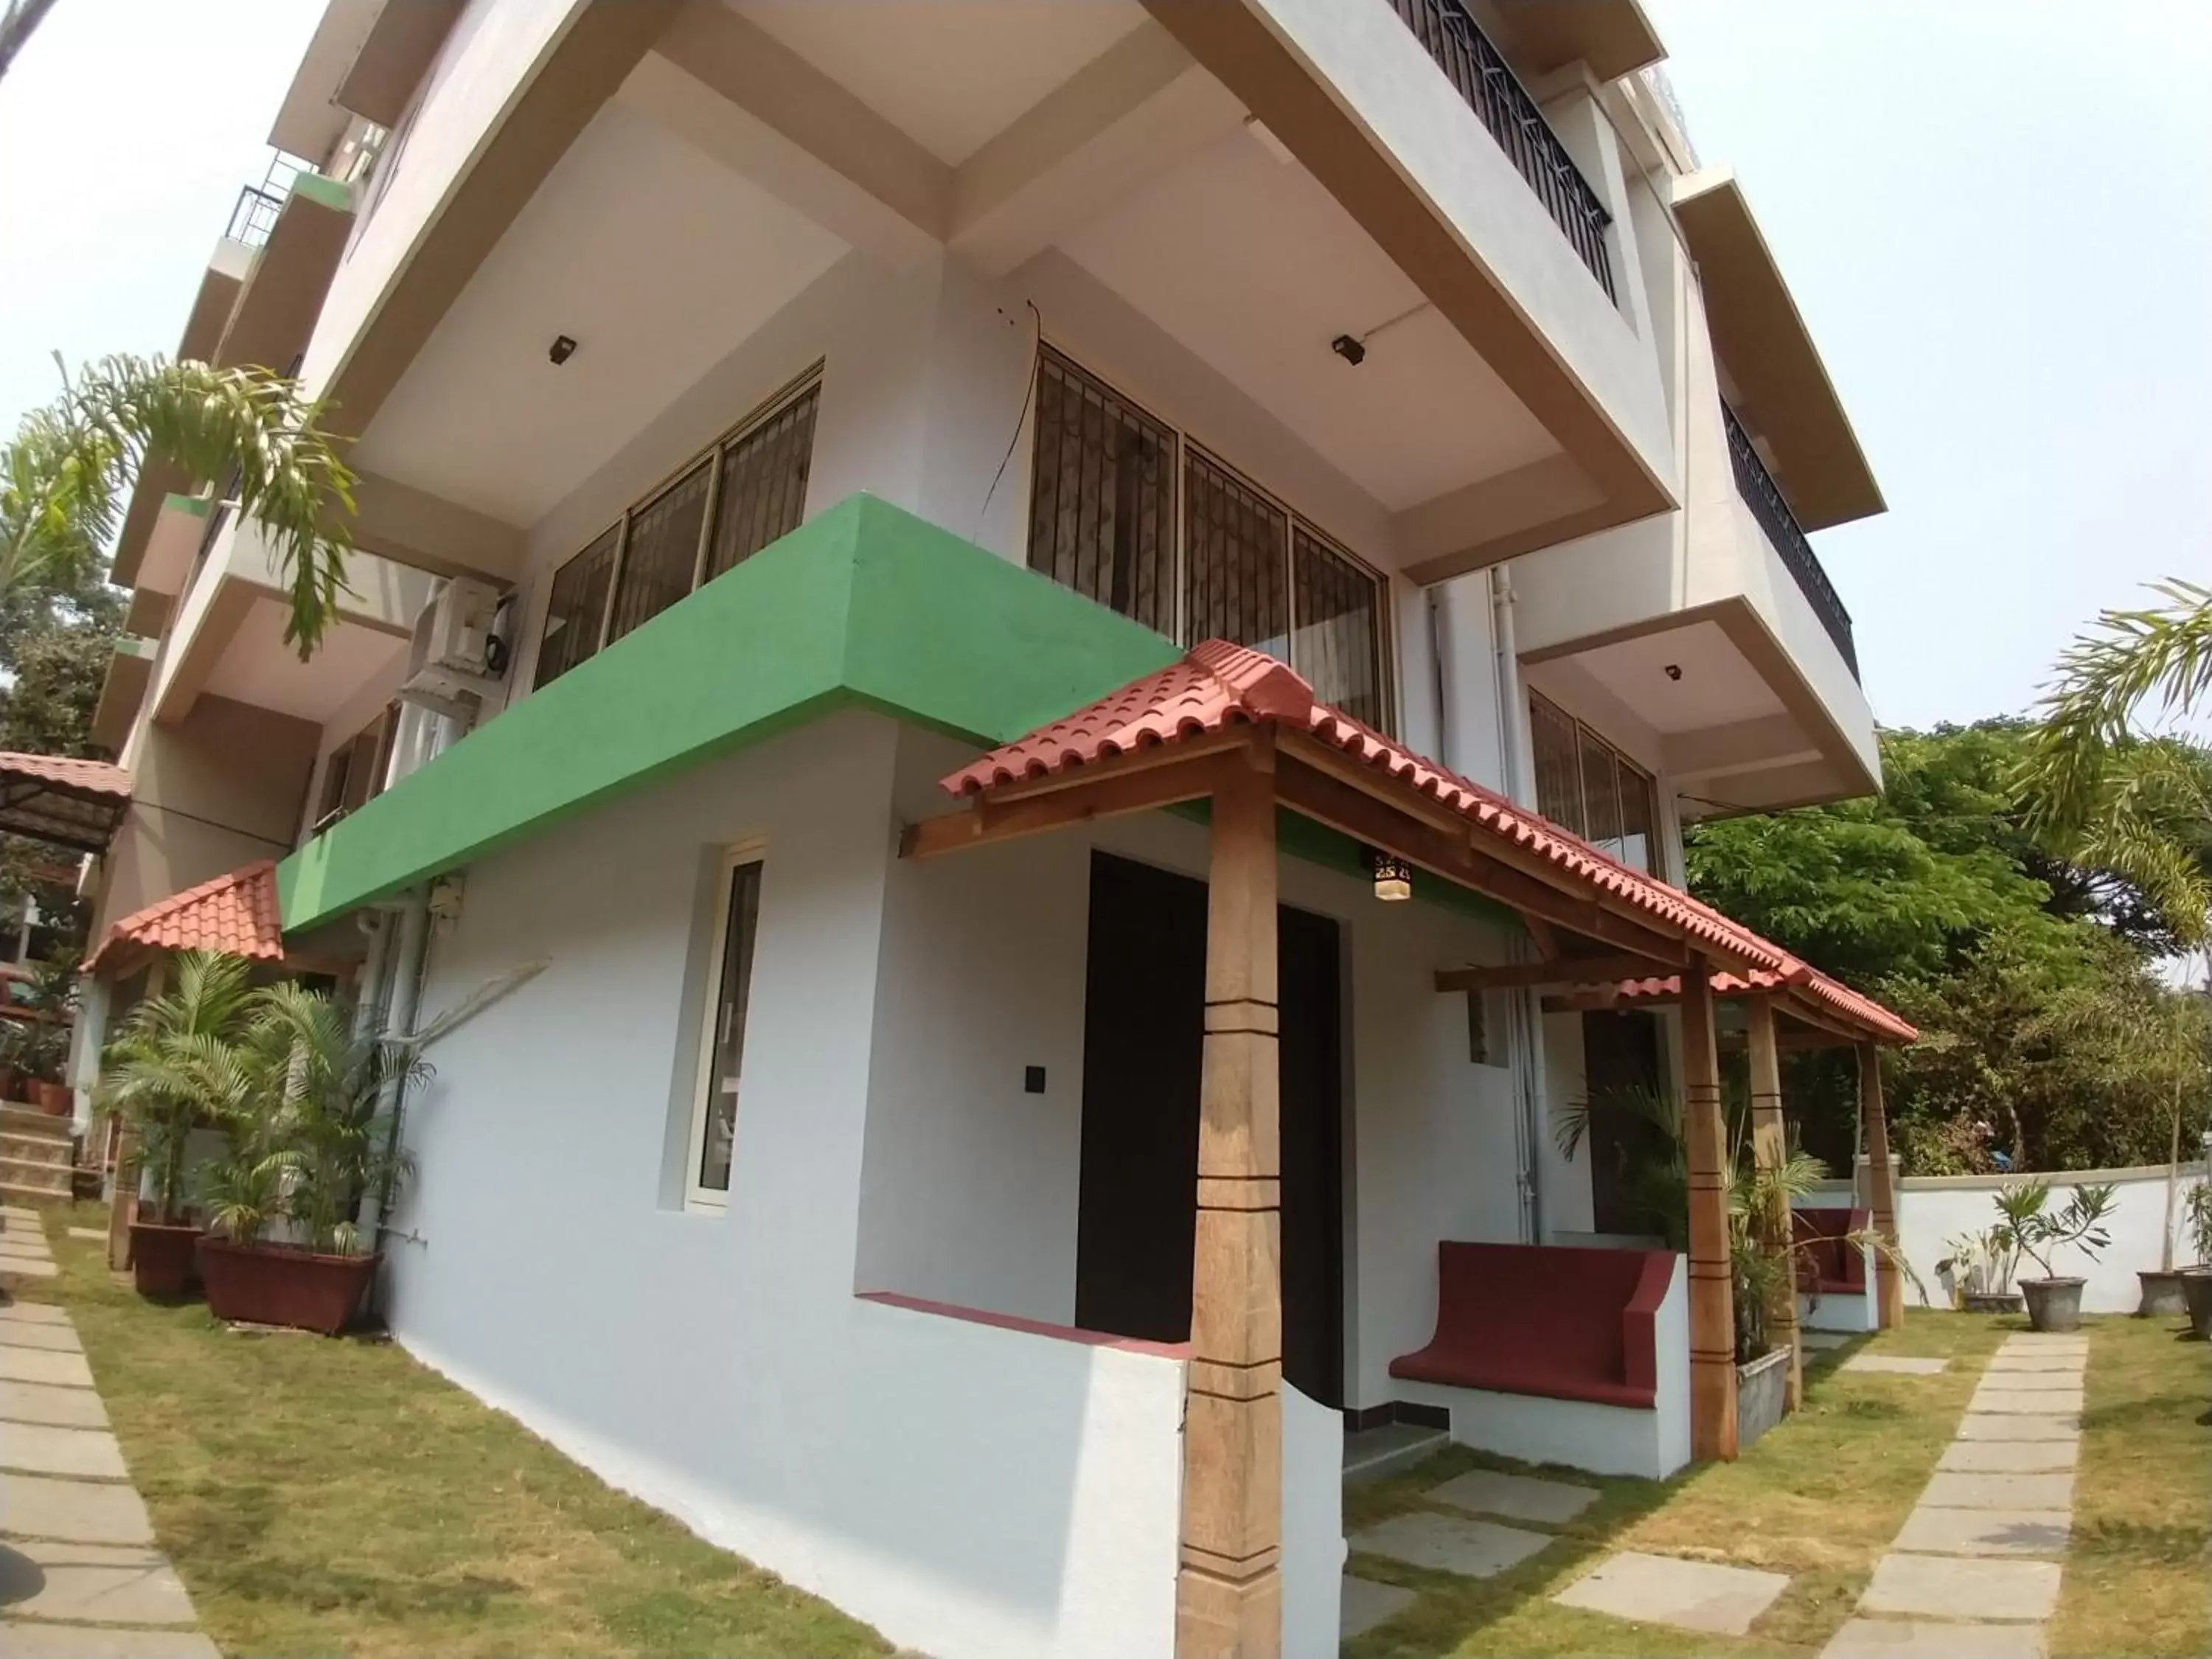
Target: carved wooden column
(1770, 1146)
(1228, 1588)
(1712, 1311)
(1889, 1289)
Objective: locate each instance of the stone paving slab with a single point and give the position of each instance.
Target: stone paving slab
(1660, 1589)
(32, 1313)
(2030, 1360)
(98, 1235)
(2041, 1381)
(2032, 1402)
(76, 1511)
(44, 1448)
(2019, 1425)
(1362, 1604)
(22, 1266)
(1897, 1365)
(2008, 1456)
(1516, 1497)
(1936, 1531)
(23, 1244)
(1823, 1339)
(1444, 1543)
(55, 1339)
(2039, 1342)
(40, 1403)
(30, 1641)
(1921, 1639)
(1950, 1491)
(66, 1371)
(89, 1584)
(1950, 1587)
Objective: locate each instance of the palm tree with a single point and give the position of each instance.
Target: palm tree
(174, 1067)
(2127, 660)
(64, 475)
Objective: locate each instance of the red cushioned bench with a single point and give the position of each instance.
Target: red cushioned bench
(1827, 1265)
(1549, 1319)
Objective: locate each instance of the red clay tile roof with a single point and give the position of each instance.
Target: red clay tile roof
(1219, 684)
(96, 777)
(76, 804)
(236, 913)
(1832, 997)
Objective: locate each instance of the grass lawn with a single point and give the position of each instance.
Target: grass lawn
(2138, 1580)
(1819, 1498)
(335, 1497)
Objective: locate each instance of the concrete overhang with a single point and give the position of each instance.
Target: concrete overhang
(277, 308)
(394, 53)
(147, 613)
(122, 690)
(311, 120)
(1785, 391)
(212, 305)
(1614, 37)
(173, 542)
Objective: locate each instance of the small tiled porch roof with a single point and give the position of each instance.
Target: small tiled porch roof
(63, 801)
(1218, 685)
(235, 914)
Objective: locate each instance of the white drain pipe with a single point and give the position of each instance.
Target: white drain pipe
(1525, 1008)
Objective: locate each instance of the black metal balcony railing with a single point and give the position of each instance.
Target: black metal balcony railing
(1483, 78)
(1765, 498)
(254, 216)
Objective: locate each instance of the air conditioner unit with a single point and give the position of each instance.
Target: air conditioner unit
(450, 660)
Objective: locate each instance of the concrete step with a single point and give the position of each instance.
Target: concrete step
(1374, 1454)
(33, 1198)
(35, 1173)
(34, 1149)
(17, 1119)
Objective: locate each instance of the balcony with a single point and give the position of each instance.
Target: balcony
(1493, 92)
(1765, 498)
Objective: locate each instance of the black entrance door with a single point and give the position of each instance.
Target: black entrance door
(1143, 1025)
(1620, 1056)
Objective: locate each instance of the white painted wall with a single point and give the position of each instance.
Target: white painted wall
(1932, 1210)
(972, 1491)
(1313, 1526)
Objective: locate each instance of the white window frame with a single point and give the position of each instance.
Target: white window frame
(708, 1200)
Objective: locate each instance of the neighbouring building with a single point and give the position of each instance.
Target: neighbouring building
(926, 573)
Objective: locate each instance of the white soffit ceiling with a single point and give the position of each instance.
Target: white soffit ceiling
(1251, 264)
(949, 73)
(1718, 687)
(258, 668)
(656, 258)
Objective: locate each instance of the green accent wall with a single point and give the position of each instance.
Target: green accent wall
(195, 505)
(324, 192)
(863, 605)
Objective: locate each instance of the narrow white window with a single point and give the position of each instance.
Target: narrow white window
(722, 1035)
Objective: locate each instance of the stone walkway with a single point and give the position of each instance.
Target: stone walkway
(79, 1576)
(1975, 1571)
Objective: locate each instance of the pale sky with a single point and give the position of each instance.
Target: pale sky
(1996, 215)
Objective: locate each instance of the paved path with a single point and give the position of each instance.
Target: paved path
(1975, 1573)
(80, 1577)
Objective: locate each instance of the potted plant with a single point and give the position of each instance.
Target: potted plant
(43, 1042)
(1980, 1267)
(2197, 1281)
(12, 1087)
(173, 1068)
(311, 1136)
(2054, 1302)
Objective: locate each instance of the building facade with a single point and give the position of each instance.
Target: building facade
(761, 408)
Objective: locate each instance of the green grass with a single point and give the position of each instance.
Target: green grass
(2137, 1577)
(1819, 1498)
(335, 1497)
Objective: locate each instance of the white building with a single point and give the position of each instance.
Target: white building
(764, 408)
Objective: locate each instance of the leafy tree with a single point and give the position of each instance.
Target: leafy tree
(64, 475)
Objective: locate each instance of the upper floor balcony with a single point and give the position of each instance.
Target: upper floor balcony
(1769, 506)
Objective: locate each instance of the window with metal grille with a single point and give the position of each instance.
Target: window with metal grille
(1234, 564)
(744, 492)
(1586, 785)
(1102, 512)
(577, 608)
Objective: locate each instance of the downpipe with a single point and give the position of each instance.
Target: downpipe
(404, 966)
(1524, 1016)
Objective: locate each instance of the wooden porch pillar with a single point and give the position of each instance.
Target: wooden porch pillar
(1889, 1289)
(1712, 1311)
(1228, 1588)
(1770, 1146)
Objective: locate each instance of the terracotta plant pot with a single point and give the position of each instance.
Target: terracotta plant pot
(2162, 1295)
(161, 1263)
(283, 1285)
(2053, 1304)
(2196, 1292)
(10, 1084)
(54, 1099)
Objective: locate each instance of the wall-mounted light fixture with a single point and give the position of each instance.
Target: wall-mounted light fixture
(563, 349)
(1394, 877)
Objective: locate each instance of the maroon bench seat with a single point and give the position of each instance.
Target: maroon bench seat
(1827, 1265)
(1549, 1319)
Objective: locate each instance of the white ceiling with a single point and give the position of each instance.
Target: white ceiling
(1252, 266)
(1718, 687)
(655, 258)
(953, 74)
(258, 668)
